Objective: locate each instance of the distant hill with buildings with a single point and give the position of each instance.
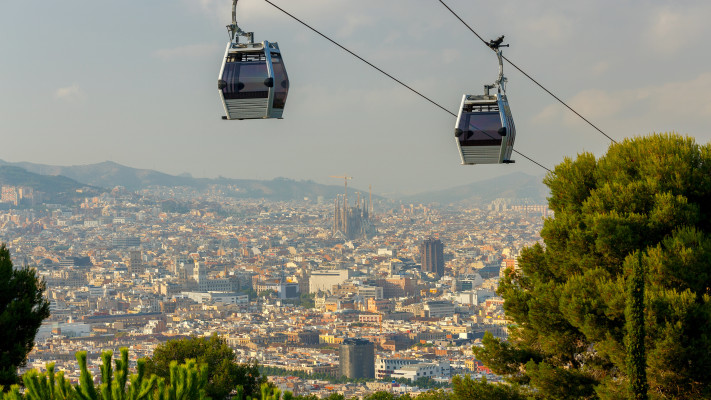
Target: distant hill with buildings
(109, 174)
(23, 184)
(514, 186)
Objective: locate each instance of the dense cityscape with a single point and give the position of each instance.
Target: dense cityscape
(320, 287)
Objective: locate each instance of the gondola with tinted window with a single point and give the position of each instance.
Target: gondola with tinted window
(485, 130)
(253, 82)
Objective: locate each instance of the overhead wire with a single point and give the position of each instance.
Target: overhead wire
(528, 76)
(388, 75)
(359, 57)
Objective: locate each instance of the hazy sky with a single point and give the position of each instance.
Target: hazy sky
(135, 81)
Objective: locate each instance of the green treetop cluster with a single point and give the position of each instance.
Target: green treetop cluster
(568, 299)
(22, 310)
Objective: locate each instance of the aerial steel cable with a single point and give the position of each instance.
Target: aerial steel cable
(386, 74)
(359, 57)
(528, 76)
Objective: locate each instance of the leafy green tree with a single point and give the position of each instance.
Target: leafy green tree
(224, 374)
(23, 307)
(434, 395)
(567, 301)
(380, 395)
(267, 293)
(302, 397)
(307, 300)
(426, 382)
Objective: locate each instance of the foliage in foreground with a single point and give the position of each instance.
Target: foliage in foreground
(22, 310)
(650, 195)
(224, 374)
(188, 382)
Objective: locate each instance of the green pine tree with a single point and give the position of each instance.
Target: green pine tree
(189, 382)
(47, 386)
(23, 307)
(567, 302)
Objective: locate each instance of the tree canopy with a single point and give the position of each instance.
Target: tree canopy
(567, 300)
(224, 374)
(23, 307)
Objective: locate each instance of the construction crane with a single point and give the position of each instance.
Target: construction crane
(345, 181)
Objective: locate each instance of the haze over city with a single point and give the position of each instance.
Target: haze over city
(135, 82)
(144, 211)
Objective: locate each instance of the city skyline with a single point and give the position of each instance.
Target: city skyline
(122, 272)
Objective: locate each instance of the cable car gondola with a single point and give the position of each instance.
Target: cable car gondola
(253, 82)
(485, 130)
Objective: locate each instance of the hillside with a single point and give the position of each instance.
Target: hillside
(109, 174)
(54, 189)
(512, 186)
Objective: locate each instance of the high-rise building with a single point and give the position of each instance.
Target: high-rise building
(432, 256)
(135, 264)
(357, 358)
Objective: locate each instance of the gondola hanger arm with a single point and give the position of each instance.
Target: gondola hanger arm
(496, 46)
(234, 30)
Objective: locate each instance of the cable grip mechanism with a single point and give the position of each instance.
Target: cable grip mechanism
(500, 82)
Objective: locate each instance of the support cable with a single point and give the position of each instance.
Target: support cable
(528, 76)
(388, 75)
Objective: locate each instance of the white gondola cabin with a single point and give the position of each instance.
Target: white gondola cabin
(485, 131)
(252, 83)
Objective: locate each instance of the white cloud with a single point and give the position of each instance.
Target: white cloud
(550, 28)
(189, 51)
(600, 68)
(71, 93)
(353, 23)
(680, 99)
(673, 101)
(674, 30)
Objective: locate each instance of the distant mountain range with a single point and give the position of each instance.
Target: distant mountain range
(516, 186)
(107, 175)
